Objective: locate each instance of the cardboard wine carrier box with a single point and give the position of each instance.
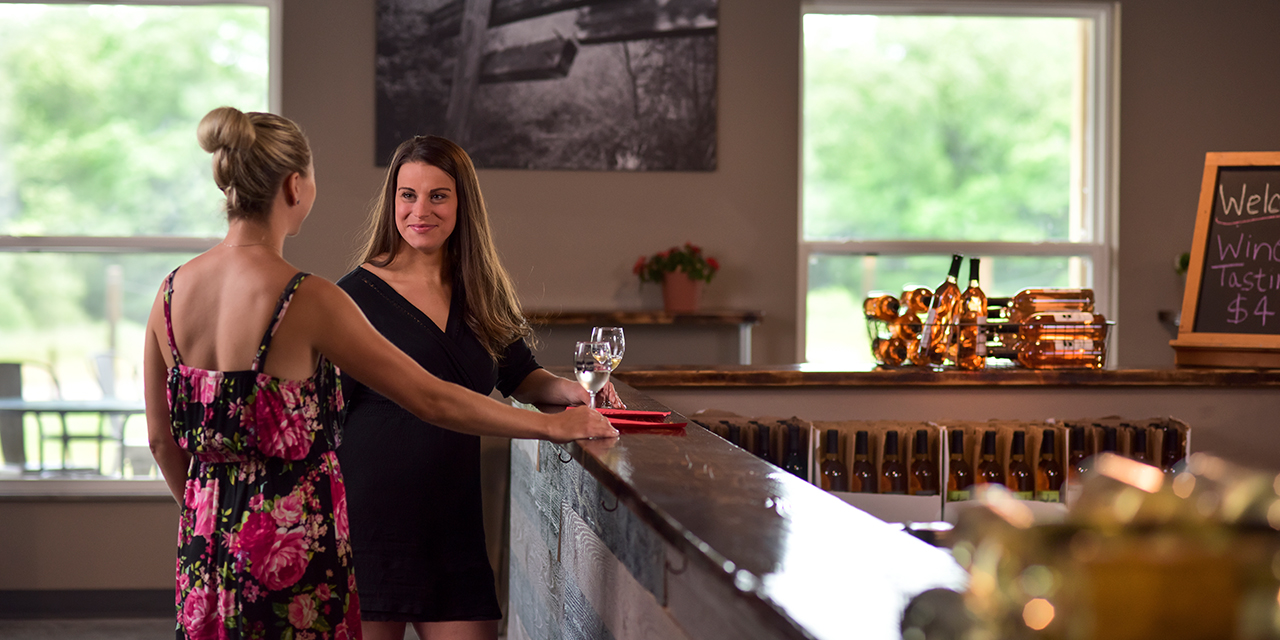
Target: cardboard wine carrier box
(885, 506)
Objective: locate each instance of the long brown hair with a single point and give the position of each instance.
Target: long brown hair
(252, 154)
(492, 310)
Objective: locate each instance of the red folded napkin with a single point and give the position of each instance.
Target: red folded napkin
(621, 424)
(631, 414)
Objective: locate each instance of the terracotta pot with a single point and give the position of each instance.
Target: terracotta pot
(680, 294)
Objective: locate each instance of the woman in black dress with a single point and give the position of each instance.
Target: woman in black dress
(430, 281)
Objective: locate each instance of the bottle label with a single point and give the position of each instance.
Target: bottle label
(957, 496)
(1072, 317)
(1073, 345)
(1024, 495)
(927, 330)
(1048, 496)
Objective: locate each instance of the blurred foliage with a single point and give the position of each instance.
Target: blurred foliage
(938, 128)
(98, 113)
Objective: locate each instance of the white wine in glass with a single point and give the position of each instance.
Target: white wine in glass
(614, 338)
(591, 366)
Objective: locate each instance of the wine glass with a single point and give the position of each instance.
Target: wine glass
(591, 366)
(617, 343)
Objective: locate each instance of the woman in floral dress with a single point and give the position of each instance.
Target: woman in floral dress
(244, 405)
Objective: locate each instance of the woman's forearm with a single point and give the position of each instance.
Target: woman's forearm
(173, 463)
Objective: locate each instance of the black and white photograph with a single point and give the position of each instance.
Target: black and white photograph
(596, 85)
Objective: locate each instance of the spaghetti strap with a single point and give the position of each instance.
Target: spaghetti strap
(168, 319)
(281, 307)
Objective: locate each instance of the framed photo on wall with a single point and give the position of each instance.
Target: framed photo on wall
(552, 84)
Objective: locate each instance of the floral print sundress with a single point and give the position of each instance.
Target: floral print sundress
(263, 544)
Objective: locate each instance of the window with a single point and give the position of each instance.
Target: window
(932, 128)
(104, 190)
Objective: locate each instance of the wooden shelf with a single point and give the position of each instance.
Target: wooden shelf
(744, 320)
(643, 317)
(814, 376)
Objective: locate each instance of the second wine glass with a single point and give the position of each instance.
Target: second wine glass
(614, 338)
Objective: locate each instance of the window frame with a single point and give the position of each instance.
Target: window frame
(1099, 178)
(125, 487)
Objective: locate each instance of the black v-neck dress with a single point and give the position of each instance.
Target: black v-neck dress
(413, 489)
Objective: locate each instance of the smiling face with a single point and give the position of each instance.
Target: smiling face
(426, 206)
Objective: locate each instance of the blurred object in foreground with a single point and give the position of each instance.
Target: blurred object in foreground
(1141, 554)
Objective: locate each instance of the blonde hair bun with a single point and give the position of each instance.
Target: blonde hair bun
(226, 128)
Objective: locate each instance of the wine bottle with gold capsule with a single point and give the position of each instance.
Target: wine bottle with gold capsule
(959, 473)
(939, 327)
(862, 474)
(971, 341)
(924, 473)
(1022, 481)
(834, 476)
(1030, 301)
(889, 352)
(1138, 445)
(1171, 449)
(1079, 452)
(881, 307)
(915, 300)
(989, 470)
(1048, 471)
(906, 326)
(893, 473)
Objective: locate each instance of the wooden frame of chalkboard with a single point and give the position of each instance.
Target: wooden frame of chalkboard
(1231, 306)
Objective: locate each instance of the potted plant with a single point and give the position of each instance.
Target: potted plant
(682, 271)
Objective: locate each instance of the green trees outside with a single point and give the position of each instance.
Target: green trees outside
(935, 128)
(98, 113)
(938, 128)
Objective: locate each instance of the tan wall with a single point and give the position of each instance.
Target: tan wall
(109, 544)
(1195, 77)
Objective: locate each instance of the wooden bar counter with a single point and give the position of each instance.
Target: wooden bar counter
(682, 535)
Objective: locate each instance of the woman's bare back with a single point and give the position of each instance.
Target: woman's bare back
(223, 302)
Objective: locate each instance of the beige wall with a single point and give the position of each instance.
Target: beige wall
(1196, 76)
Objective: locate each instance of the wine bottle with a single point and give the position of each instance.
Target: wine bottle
(960, 474)
(881, 307)
(924, 473)
(939, 325)
(1079, 451)
(834, 476)
(1138, 445)
(794, 461)
(915, 354)
(1108, 439)
(1171, 449)
(764, 442)
(1029, 301)
(862, 477)
(906, 327)
(889, 352)
(915, 301)
(989, 470)
(1062, 354)
(1022, 482)
(893, 474)
(735, 435)
(1048, 471)
(971, 343)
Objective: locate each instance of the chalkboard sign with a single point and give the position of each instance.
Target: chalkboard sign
(1231, 306)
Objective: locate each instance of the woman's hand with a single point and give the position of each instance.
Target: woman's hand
(578, 424)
